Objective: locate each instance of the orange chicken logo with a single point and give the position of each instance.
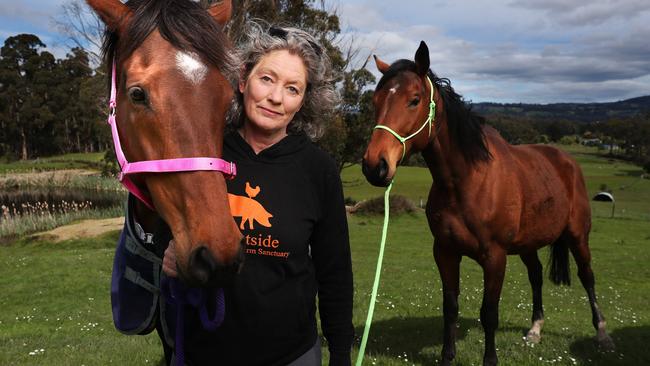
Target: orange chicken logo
(249, 209)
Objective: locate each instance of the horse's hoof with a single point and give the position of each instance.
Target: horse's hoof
(533, 337)
(446, 361)
(490, 361)
(605, 343)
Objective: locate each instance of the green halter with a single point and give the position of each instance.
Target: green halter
(429, 121)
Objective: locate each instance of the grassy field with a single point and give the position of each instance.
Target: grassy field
(56, 307)
(624, 180)
(67, 161)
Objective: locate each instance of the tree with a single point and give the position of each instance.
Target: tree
(558, 129)
(612, 133)
(515, 130)
(79, 97)
(349, 133)
(26, 74)
(83, 28)
(637, 144)
(48, 106)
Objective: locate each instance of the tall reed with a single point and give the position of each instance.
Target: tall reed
(40, 217)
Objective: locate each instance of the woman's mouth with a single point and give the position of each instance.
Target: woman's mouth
(269, 112)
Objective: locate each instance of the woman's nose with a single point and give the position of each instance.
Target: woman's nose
(275, 95)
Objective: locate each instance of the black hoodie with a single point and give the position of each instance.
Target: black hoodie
(288, 203)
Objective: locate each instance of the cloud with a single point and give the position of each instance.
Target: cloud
(542, 51)
(583, 13)
(31, 13)
(22, 10)
(501, 50)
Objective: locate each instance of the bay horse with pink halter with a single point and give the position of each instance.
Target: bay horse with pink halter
(488, 199)
(171, 70)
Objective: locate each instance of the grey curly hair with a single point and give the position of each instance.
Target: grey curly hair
(320, 98)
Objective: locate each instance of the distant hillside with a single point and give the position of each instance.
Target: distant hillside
(581, 112)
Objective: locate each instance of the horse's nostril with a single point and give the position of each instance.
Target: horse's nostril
(382, 168)
(205, 270)
(202, 265)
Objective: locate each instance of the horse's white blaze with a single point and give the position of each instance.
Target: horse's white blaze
(191, 66)
(393, 90)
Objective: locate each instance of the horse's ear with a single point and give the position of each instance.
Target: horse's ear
(112, 12)
(221, 12)
(422, 59)
(381, 65)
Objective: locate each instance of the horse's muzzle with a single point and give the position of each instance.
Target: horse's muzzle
(205, 270)
(377, 175)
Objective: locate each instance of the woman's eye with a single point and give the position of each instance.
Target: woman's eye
(137, 95)
(414, 102)
(293, 90)
(266, 79)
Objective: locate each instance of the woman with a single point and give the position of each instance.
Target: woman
(288, 202)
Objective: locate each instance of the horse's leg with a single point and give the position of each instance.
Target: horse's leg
(535, 277)
(448, 263)
(580, 250)
(494, 269)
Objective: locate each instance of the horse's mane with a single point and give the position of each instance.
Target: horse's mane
(184, 24)
(465, 126)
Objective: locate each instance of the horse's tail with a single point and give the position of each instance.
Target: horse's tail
(559, 262)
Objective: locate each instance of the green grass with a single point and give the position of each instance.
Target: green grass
(411, 182)
(66, 161)
(624, 180)
(408, 318)
(56, 296)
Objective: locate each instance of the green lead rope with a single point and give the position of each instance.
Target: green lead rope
(373, 297)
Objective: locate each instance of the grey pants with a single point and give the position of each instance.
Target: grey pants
(312, 357)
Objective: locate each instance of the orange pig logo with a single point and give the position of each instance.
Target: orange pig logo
(249, 209)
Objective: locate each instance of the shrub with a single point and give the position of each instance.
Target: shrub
(109, 165)
(542, 139)
(567, 140)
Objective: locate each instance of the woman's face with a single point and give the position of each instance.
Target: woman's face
(274, 91)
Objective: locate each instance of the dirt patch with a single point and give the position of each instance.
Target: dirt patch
(83, 229)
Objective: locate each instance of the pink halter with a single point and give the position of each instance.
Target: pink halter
(157, 166)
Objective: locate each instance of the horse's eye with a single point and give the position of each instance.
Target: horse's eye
(414, 102)
(137, 95)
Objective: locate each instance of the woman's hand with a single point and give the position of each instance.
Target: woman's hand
(169, 260)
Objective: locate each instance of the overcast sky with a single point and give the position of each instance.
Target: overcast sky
(531, 51)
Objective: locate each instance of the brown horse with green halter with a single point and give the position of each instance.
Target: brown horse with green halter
(488, 200)
(173, 81)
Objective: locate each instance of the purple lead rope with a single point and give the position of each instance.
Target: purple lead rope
(178, 294)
